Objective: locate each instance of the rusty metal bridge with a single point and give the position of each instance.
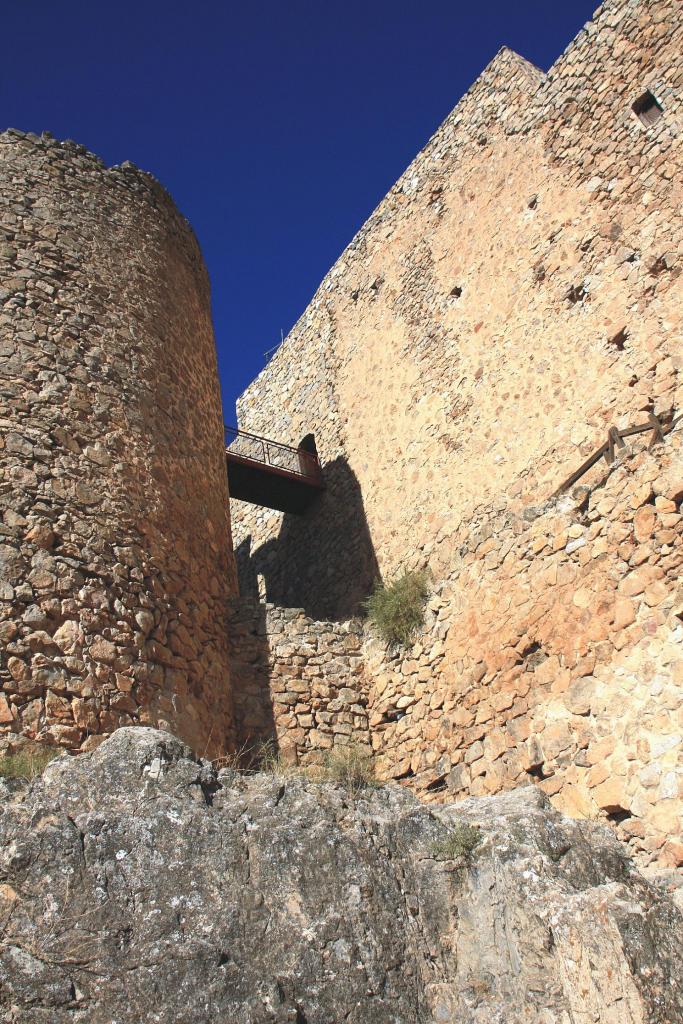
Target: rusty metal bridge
(272, 474)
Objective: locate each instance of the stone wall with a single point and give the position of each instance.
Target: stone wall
(115, 559)
(299, 683)
(552, 654)
(515, 293)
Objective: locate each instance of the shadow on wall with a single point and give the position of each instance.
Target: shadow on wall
(250, 669)
(322, 561)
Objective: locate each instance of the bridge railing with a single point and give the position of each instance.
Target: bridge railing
(280, 457)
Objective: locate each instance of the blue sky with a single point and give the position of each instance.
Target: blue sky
(277, 127)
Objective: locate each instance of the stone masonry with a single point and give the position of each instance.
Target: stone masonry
(115, 559)
(553, 654)
(516, 293)
(300, 680)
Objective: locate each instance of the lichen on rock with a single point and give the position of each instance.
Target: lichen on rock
(140, 885)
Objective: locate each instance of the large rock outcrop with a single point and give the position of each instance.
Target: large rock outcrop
(136, 885)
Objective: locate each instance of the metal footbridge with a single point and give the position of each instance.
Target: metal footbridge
(270, 473)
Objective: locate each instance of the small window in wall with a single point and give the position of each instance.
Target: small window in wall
(647, 109)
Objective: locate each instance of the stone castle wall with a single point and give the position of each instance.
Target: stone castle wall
(516, 293)
(552, 654)
(299, 681)
(115, 560)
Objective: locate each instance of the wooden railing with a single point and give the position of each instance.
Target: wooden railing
(660, 427)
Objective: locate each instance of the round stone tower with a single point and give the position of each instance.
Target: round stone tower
(116, 564)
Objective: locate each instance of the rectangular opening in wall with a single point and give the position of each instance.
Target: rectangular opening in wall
(647, 109)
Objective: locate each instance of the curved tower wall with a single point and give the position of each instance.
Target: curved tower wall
(115, 555)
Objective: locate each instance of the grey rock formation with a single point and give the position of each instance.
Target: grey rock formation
(136, 885)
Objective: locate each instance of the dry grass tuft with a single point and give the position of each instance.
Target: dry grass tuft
(460, 842)
(28, 763)
(350, 766)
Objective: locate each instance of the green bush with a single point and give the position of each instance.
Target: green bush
(397, 609)
(461, 841)
(27, 763)
(349, 766)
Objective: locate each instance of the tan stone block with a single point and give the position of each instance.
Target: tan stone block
(611, 795)
(494, 778)
(670, 484)
(474, 752)
(320, 739)
(550, 575)
(636, 582)
(644, 523)
(503, 700)
(667, 817)
(42, 537)
(484, 713)
(583, 598)
(66, 735)
(663, 504)
(624, 613)
(573, 801)
(552, 785)
(18, 669)
(462, 717)
(566, 573)
(85, 714)
(655, 593)
(69, 637)
(103, 650)
(519, 729)
(580, 696)
(57, 707)
(5, 710)
(93, 742)
(597, 775)
(557, 737)
(436, 700)
(597, 752)
(405, 701)
(641, 495)
(458, 778)
(532, 755)
(495, 744)
(672, 854)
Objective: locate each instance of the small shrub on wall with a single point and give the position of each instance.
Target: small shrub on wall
(397, 609)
